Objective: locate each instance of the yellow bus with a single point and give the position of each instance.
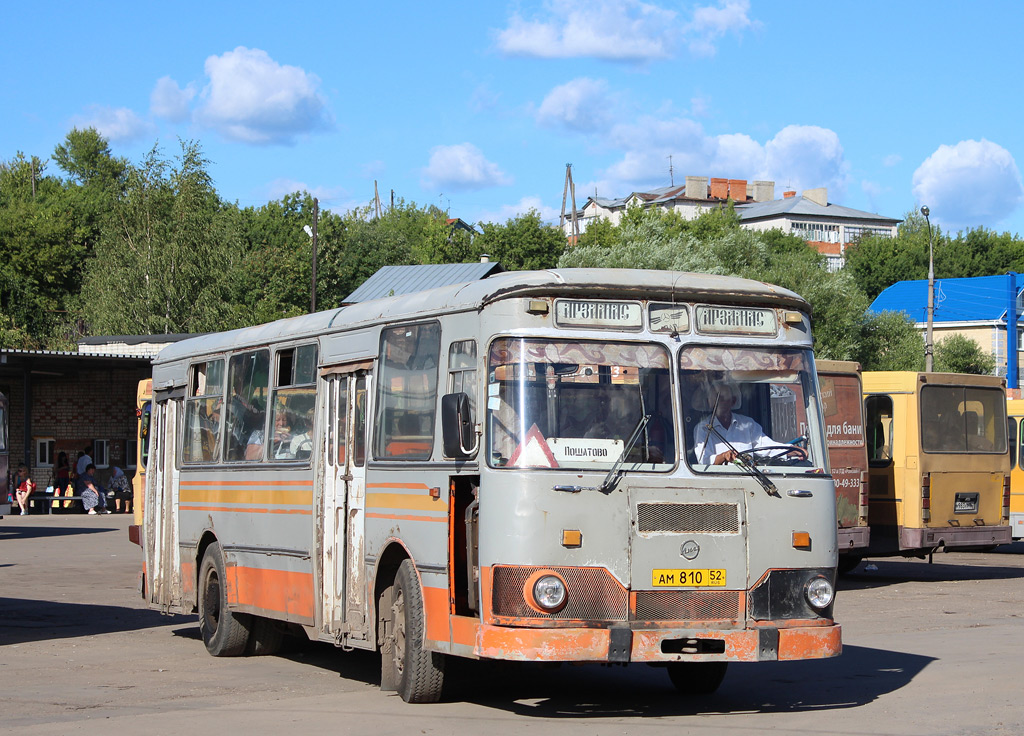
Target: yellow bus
(939, 461)
(843, 407)
(1015, 409)
(143, 411)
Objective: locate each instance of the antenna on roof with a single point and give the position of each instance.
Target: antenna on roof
(671, 172)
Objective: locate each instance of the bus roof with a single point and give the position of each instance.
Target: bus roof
(908, 380)
(606, 282)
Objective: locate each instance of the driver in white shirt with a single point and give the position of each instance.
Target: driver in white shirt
(740, 431)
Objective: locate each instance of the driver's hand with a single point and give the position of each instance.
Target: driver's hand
(725, 457)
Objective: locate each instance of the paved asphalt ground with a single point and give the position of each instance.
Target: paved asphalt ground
(928, 649)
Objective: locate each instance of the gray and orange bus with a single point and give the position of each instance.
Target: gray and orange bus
(503, 469)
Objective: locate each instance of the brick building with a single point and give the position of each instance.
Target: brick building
(64, 401)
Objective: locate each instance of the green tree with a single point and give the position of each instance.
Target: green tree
(960, 354)
(161, 261)
(890, 342)
(522, 243)
(42, 243)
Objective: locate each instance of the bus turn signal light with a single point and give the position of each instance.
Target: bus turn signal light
(802, 540)
(572, 538)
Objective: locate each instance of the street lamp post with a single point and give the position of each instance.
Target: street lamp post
(928, 344)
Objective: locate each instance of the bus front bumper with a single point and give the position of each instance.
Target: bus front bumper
(622, 644)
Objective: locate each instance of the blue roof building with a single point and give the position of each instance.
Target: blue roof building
(974, 307)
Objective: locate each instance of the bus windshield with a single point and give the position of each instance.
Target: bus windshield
(574, 405)
(758, 403)
(963, 419)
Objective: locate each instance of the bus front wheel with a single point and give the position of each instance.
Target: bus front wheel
(225, 634)
(697, 678)
(415, 672)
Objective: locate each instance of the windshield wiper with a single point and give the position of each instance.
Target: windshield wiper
(616, 472)
(741, 460)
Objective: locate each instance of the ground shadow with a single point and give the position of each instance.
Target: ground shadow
(861, 675)
(875, 573)
(33, 620)
(24, 531)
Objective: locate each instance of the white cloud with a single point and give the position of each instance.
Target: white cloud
(116, 124)
(893, 159)
(970, 184)
(617, 30)
(169, 101)
(280, 188)
(807, 157)
(252, 98)
(462, 167)
(581, 105)
(711, 23)
(801, 157)
(509, 211)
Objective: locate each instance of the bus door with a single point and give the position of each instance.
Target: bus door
(344, 501)
(160, 535)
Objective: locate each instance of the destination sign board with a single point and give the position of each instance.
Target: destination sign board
(711, 320)
(598, 314)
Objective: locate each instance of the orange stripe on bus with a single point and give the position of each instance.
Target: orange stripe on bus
(407, 518)
(407, 486)
(272, 590)
(435, 607)
(243, 510)
(406, 501)
(272, 496)
(307, 483)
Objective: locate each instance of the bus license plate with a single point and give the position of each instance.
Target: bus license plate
(965, 503)
(687, 578)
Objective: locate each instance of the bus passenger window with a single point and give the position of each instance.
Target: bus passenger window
(248, 376)
(407, 392)
(201, 443)
(878, 427)
(294, 400)
(1011, 432)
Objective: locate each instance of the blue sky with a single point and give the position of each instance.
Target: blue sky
(477, 107)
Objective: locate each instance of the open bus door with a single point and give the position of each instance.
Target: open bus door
(344, 504)
(163, 583)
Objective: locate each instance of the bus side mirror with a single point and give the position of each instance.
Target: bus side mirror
(457, 426)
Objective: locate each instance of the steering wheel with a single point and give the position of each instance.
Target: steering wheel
(789, 450)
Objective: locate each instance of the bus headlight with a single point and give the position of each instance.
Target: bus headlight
(549, 593)
(819, 592)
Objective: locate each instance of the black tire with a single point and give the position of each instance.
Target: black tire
(226, 634)
(417, 674)
(266, 637)
(697, 678)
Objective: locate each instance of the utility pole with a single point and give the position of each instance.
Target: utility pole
(569, 190)
(929, 346)
(312, 288)
(376, 201)
(671, 171)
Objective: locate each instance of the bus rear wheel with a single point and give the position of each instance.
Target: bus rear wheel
(226, 634)
(697, 678)
(416, 673)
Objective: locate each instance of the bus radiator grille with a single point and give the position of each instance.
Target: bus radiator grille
(688, 605)
(688, 518)
(593, 595)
